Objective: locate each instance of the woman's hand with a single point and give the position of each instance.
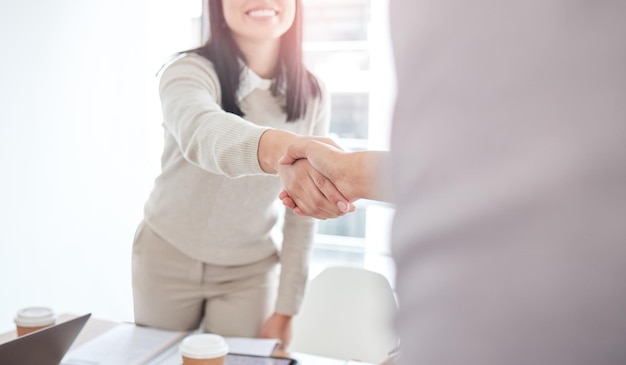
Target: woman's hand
(275, 142)
(277, 326)
(309, 193)
(356, 175)
(319, 196)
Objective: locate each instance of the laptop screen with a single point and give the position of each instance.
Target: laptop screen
(44, 347)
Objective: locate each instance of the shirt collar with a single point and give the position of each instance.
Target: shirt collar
(249, 82)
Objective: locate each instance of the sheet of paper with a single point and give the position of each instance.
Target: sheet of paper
(171, 356)
(237, 345)
(306, 359)
(252, 346)
(126, 343)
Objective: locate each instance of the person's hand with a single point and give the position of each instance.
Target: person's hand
(303, 201)
(319, 152)
(277, 326)
(288, 202)
(357, 175)
(274, 143)
(317, 139)
(310, 193)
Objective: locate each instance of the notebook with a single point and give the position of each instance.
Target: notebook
(44, 347)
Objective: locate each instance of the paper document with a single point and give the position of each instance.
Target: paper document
(129, 344)
(252, 346)
(236, 345)
(170, 356)
(126, 344)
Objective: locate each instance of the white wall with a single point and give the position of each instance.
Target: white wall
(80, 139)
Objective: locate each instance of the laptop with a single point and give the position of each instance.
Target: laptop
(44, 347)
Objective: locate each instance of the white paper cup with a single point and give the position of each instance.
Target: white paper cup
(203, 349)
(32, 319)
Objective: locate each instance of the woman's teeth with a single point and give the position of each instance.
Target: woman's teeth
(262, 13)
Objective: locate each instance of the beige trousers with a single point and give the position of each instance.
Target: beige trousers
(175, 291)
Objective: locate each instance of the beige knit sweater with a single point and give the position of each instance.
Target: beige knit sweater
(212, 201)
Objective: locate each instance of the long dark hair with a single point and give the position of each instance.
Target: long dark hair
(223, 52)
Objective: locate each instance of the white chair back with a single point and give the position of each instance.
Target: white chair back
(347, 314)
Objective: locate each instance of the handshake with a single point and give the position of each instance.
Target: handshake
(323, 181)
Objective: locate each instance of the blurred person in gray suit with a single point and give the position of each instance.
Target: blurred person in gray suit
(508, 173)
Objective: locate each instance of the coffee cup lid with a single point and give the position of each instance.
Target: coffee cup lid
(35, 317)
(203, 346)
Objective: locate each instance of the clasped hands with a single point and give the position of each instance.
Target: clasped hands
(316, 179)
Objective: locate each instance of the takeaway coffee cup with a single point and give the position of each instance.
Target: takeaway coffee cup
(32, 319)
(203, 349)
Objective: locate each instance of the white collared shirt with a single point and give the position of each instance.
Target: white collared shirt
(250, 81)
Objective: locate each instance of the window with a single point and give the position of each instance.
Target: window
(347, 46)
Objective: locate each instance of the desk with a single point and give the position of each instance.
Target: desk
(95, 327)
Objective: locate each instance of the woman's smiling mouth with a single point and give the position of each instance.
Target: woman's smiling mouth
(262, 13)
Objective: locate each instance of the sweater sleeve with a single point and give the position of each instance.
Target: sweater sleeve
(299, 233)
(208, 137)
